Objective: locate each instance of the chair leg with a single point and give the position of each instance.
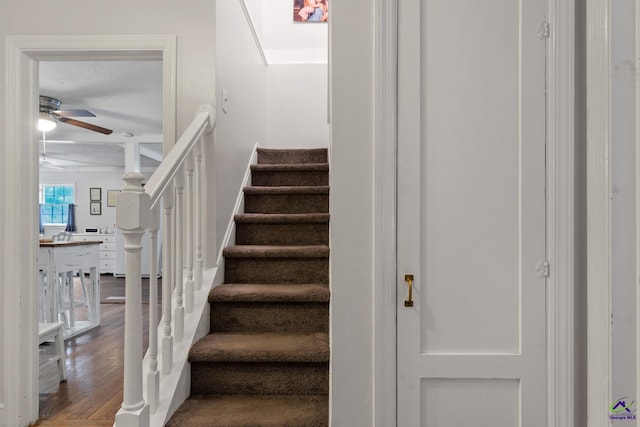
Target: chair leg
(62, 356)
(83, 282)
(59, 290)
(72, 311)
(53, 332)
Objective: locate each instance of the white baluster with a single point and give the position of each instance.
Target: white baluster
(153, 376)
(167, 279)
(178, 246)
(188, 241)
(197, 262)
(132, 217)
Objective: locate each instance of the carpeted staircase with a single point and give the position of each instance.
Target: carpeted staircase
(265, 361)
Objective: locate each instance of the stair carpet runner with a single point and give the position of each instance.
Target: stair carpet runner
(265, 361)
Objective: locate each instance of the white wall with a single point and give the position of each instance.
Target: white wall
(352, 155)
(191, 21)
(297, 106)
(241, 72)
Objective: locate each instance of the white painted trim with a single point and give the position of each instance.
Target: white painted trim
(637, 184)
(561, 213)
(386, 63)
(599, 213)
(254, 33)
(230, 234)
(20, 370)
(20, 237)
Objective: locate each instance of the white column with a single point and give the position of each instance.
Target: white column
(132, 217)
(179, 245)
(188, 241)
(167, 279)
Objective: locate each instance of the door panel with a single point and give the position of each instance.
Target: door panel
(470, 117)
(470, 402)
(471, 213)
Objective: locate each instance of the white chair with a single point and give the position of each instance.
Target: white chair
(63, 236)
(53, 332)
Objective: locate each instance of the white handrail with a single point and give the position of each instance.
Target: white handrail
(164, 174)
(138, 208)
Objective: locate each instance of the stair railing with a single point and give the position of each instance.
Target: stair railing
(138, 209)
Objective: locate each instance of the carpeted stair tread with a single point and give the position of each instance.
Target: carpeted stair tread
(296, 155)
(252, 410)
(266, 347)
(290, 167)
(234, 292)
(296, 190)
(261, 218)
(256, 251)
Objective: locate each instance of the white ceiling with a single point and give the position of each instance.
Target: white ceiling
(125, 96)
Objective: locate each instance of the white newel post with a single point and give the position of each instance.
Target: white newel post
(179, 245)
(197, 262)
(153, 376)
(132, 217)
(167, 280)
(188, 241)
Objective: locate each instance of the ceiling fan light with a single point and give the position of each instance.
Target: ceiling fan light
(45, 124)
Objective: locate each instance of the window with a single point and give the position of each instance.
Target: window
(55, 200)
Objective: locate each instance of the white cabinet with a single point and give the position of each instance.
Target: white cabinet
(107, 249)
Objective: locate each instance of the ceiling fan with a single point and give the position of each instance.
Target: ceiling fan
(44, 161)
(50, 108)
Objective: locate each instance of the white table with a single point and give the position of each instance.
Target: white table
(58, 262)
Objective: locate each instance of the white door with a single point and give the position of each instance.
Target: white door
(471, 213)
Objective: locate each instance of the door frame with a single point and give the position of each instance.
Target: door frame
(560, 212)
(23, 53)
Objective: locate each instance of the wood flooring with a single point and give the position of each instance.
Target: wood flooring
(92, 394)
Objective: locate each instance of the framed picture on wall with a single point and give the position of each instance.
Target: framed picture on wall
(310, 10)
(95, 194)
(111, 197)
(95, 208)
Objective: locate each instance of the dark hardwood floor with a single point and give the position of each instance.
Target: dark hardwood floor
(92, 394)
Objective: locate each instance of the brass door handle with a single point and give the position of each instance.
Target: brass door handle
(409, 279)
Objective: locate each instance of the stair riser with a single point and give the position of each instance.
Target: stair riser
(260, 378)
(286, 203)
(275, 157)
(276, 270)
(285, 179)
(282, 234)
(208, 410)
(269, 317)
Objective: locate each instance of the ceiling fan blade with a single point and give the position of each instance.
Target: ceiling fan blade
(85, 125)
(46, 163)
(50, 166)
(72, 113)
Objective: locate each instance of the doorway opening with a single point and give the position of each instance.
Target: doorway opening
(25, 53)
